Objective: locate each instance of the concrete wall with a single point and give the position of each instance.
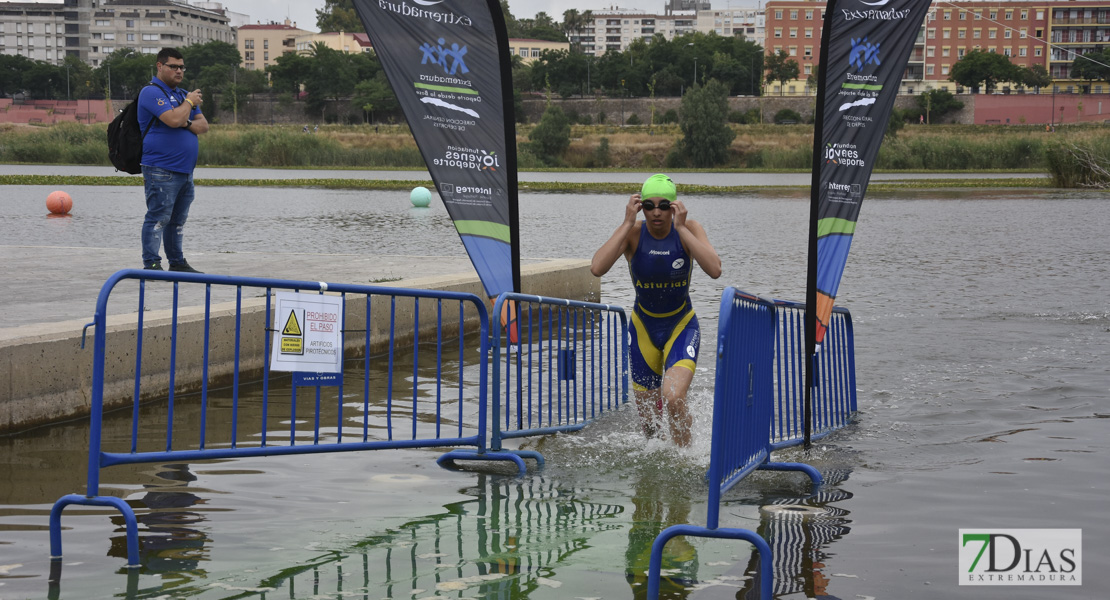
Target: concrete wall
(978, 108)
(1016, 109)
(615, 109)
(49, 377)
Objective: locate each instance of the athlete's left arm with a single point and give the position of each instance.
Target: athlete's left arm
(696, 242)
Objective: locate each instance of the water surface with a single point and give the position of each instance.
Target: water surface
(983, 365)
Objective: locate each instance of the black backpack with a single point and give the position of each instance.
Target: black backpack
(125, 139)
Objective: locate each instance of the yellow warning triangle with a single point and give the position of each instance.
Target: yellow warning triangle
(291, 326)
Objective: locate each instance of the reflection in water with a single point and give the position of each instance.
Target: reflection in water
(170, 544)
(505, 540)
(656, 508)
(800, 532)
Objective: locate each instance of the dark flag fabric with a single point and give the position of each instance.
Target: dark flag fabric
(865, 47)
(448, 64)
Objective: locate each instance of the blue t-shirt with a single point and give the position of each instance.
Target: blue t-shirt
(172, 148)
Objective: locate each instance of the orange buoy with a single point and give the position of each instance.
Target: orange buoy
(59, 202)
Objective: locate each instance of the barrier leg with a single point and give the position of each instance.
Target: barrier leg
(117, 503)
(813, 473)
(447, 459)
(761, 547)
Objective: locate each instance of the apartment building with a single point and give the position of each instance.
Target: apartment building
(733, 22)
(530, 50)
(339, 41)
(1050, 34)
(261, 44)
(150, 25)
(616, 28)
(1015, 29)
(1075, 29)
(45, 31)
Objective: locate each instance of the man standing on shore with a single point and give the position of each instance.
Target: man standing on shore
(170, 151)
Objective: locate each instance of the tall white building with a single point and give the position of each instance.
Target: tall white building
(91, 30)
(45, 31)
(615, 28)
(733, 22)
(150, 25)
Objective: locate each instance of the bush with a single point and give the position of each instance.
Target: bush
(671, 116)
(602, 156)
(937, 103)
(737, 116)
(895, 124)
(551, 137)
(1074, 165)
(706, 134)
(787, 117)
(633, 119)
(675, 158)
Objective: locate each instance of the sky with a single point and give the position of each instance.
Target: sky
(304, 11)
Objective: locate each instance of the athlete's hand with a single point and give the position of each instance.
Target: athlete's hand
(679, 211)
(632, 208)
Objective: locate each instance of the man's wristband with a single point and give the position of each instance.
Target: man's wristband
(188, 123)
(190, 103)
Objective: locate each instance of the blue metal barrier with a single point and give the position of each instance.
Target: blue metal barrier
(568, 367)
(834, 397)
(379, 420)
(755, 410)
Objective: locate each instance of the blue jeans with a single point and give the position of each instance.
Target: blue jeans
(168, 196)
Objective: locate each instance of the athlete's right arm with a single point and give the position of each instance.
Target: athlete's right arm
(617, 245)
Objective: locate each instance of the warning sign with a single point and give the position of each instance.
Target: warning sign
(308, 338)
(292, 340)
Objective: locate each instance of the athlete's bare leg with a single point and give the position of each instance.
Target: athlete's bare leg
(647, 405)
(676, 382)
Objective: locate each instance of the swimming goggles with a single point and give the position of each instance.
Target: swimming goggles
(650, 205)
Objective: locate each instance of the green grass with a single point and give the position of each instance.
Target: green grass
(763, 148)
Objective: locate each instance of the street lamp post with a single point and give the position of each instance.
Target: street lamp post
(695, 81)
(67, 81)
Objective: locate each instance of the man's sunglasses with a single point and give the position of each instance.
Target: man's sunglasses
(176, 67)
(650, 205)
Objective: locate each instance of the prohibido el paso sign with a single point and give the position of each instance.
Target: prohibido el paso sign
(307, 333)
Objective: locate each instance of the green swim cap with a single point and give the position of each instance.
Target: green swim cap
(659, 186)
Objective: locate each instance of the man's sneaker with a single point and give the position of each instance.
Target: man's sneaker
(154, 267)
(183, 267)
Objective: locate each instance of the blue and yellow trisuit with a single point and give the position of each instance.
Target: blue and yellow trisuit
(664, 330)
